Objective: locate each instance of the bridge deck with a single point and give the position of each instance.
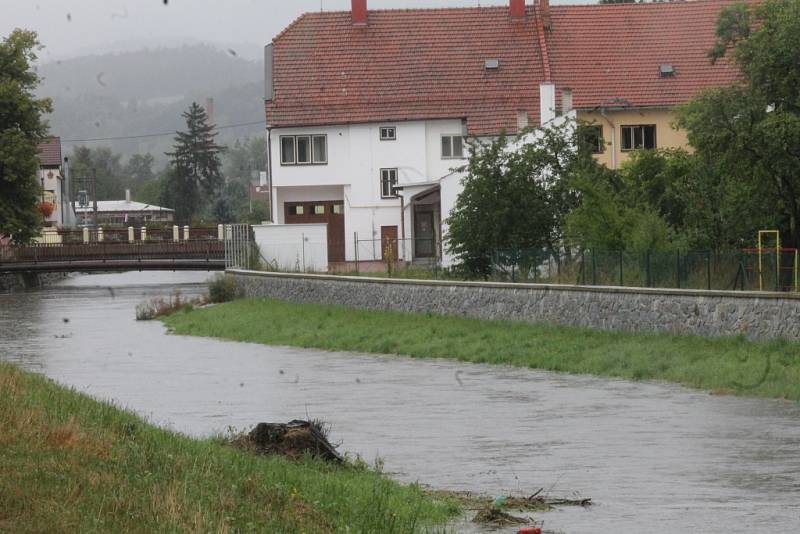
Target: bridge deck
(95, 257)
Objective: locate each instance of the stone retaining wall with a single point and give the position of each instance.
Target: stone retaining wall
(707, 313)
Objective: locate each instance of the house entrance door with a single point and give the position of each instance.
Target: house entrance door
(424, 235)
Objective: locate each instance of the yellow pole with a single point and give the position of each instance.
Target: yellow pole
(760, 265)
(778, 261)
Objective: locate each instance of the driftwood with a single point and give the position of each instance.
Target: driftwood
(294, 439)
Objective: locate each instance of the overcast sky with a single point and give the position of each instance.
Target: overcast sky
(75, 27)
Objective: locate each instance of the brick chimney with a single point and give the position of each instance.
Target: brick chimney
(544, 11)
(360, 12)
(517, 9)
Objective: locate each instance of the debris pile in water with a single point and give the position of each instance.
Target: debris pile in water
(294, 440)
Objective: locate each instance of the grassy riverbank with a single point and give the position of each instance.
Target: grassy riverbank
(730, 365)
(72, 464)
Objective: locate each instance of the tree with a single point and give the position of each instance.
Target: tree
(752, 130)
(101, 163)
(195, 174)
(21, 130)
(515, 197)
(139, 168)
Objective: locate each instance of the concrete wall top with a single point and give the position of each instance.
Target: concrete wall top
(764, 295)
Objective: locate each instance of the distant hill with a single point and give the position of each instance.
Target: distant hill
(145, 92)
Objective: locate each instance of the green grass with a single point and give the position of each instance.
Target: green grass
(71, 464)
(725, 365)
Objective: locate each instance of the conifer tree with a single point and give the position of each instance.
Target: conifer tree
(196, 170)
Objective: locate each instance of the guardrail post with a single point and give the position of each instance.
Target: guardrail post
(85, 235)
(131, 237)
(100, 236)
(144, 233)
(176, 233)
(186, 233)
(220, 232)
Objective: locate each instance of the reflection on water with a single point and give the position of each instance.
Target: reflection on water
(654, 457)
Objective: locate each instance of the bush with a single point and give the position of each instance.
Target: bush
(161, 307)
(223, 289)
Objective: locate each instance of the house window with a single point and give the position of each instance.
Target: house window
(593, 138)
(388, 182)
(304, 150)
(320, 149)
(296, 210)
(337, 209)
(287, 151)
(639, 136)
(319, 209)
(388, 133)
(452, 146)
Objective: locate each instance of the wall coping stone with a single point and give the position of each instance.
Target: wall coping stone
(765, 295)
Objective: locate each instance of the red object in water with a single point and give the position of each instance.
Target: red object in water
(530, 530)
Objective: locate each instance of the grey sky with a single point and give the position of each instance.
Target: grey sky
(74, 27)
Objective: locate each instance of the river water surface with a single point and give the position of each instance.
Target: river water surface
(654, 457)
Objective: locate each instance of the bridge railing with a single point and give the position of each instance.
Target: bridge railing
(110, 251)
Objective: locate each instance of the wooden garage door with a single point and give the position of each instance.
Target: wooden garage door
(317, 212)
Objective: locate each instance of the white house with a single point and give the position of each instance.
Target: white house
(368, 110)
(55, 189)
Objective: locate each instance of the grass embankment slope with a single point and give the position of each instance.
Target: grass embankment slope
(735, 365)
(71, 464)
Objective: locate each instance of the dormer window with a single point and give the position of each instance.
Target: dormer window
(388, 133)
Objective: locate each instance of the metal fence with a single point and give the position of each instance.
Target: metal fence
(772, 270)
(237, 246)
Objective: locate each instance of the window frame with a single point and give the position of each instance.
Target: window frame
(393, 129)
(312, 159)
(451, 137)
(293, 138)
(392, 183)
(297, 139)
(600, 146)
(634, 128)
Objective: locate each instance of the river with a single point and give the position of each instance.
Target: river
(653, 457)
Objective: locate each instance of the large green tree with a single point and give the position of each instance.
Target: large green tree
(516, 196)
(195, 174)
(752, 129)
(21, 130)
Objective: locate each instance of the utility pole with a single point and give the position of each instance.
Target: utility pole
(94, 195)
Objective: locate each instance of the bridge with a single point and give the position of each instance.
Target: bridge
(198, 255)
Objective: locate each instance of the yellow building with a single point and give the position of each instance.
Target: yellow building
(624, 67)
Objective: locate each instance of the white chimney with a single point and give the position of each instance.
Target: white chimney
(547, 102)
(566, 101)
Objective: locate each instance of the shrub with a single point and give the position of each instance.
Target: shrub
(161, 307)
(223, 289)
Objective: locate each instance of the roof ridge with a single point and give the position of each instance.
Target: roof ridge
(540, 30)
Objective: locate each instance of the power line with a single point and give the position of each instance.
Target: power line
(161, 134)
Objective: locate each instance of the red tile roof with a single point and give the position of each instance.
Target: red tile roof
(408, 64)
(430, 63)
(50, 152)
(613, 51)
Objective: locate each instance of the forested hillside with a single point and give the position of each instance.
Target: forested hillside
(145, 92)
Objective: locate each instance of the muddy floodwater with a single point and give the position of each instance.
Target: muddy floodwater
(654, 457)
